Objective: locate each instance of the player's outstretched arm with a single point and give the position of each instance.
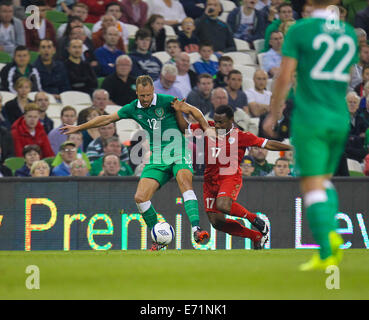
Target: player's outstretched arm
(99, 121)
(274, 145)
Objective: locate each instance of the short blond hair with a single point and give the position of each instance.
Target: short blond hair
(36, 164)
(31, 107)
(21, 81)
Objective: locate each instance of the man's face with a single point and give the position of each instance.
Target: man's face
(183, 62)
(173, 49)
(281, 168)
(250, 4)
(167, 80)
(259, 154)
(366, 75)
(206, 52)
(364, 55)
(219, 98)
(234, 81)
(30, 157)
(145, 94)
(80, 12)
(108, 21)
(123, 67)
(188, 25)
(260, 80)
(225, 67)
(47, 50)
(22, 58)
(76, 138)
(6, 13)
(286, 13)
(100, 100)
(78, 33)
(31, 119)
(143, 44)
(69, 153)
(111, 36)
(222, 123)
(79, 168)
(213, 8)
(247, 169)
(276, 40)
(69, 117)
(75, 48)
(42, 100)
(113, 147)
(107, 131)
(114, 11)
(352, 103)
(111, 165)
(205, 86)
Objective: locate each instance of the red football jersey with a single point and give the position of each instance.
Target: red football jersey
(223, 156)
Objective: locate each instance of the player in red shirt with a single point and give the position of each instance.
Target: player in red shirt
(223, 175)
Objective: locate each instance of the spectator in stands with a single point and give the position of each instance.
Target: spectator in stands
(156, 25)
(111, 166)
(143, 62)
(262, 167)
(205, 64)
(259, 97)
(120, 84)
(200, 95)
(66, 6)
(357, 130)
(186, 78)
(171, 10)
(29, 130)
(193, 8)
(364, 117)
(270, 10)
(68, 153)
(362, 19)
(107, 54)
(54, 78)
(45, 30)
(90, 134)
(31, 153)
(134, 12)
(359, 89)
(42, 100)
(219, 97)
(173, 48)
(357, 69)
(95, 148)
(79, 10)
(4, 170)
(225, 66)
(73, 21)
(139, 151)
(246, 22)
(96, 9)
(80, 74)
(165, 83)
(68, 115)
(114, 9)
(210, 28)
(281, 168)
(189, 42)
(111, 145)
(362, 36)
(273, 57)
(78, 168)
(14, 108)
(40, 169)
(100, 99)
(285, 14)
(6, 144)
(20, 67)
(11, 28)
(247, 166)
(236, 96)
(4, 122)
(98, 37)
(365, 94)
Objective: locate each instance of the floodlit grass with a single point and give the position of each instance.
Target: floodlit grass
(183, 275)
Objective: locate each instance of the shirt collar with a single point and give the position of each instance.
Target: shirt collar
(321, 13)
(153, 103)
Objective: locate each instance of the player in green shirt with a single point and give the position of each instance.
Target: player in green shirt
(322, 50)
(169, 158)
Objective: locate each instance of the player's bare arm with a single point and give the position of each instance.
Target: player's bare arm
(99, 121)
(281, 87)
(274, 145)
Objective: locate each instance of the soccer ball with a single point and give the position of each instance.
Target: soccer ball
(162, 233)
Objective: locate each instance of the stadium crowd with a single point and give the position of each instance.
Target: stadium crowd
(188, 47)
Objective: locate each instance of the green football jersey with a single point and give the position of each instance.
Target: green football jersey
(167, 143)
(325, 53)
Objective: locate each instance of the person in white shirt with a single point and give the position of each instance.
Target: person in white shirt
(273, 57)
(259, 98)
(171, 10)
(186, 78)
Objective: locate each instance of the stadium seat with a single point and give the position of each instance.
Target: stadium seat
(269, 85)
(7, 96)
(354, 166)
(56, 16)
(260, 59)
(258, 45)
(125, 129)
(54, 112)
(14, 163)
(241, 45)
(163, 56)
(272, 156)
(228, 5)
(223, 17)
(5, 57)
(247, 71)
(132, 29)
(52, 99)
(73, 98)
(169, 32)
(2, 65)
(248, 84)
(240, 58)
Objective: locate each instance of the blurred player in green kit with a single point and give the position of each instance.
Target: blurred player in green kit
(321, 50)
(169, 158)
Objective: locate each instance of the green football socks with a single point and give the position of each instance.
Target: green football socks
(191, 207)
(148, 213)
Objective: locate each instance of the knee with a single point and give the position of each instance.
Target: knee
(224, 204)
(216, 222)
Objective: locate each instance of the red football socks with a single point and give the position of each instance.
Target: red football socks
(239, 211)
(234, 228)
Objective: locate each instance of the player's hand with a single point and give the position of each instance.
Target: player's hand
(179, 105)
(211, 133)
(269, 125)
(69, 129)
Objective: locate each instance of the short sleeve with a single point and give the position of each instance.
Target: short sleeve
(248, 139)
(290, 43)
(125, 112)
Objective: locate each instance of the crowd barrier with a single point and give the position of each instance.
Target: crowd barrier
(66, 213)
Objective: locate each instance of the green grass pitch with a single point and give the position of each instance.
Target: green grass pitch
(183, 275)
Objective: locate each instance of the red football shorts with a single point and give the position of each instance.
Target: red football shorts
(229, 186)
